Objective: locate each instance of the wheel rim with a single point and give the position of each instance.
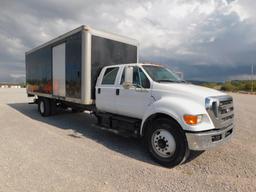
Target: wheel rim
(41, 107)
(163, 143)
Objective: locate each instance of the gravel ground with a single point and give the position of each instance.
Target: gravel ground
(66, 153)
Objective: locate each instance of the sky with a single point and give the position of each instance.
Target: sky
(207, 40)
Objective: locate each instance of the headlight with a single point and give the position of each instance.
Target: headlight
(192, 119)
(208, 103)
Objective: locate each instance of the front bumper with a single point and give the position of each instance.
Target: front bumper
(209, 139)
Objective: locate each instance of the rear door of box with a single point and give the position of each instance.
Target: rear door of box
(59, 70)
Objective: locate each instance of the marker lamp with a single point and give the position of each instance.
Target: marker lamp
(192, 119)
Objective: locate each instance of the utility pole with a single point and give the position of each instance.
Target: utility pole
(252, 79)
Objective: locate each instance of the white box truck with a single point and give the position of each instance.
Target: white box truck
(87, 69)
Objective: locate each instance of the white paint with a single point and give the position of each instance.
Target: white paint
(106, 98)
(173, 99)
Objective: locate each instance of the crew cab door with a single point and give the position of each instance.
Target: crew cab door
(106, 90)
(133, 101)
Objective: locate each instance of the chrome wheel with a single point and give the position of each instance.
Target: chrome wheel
(163, 143)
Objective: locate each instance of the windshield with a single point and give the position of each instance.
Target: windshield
(161, 74)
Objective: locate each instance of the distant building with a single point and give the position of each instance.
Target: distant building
(10, 85)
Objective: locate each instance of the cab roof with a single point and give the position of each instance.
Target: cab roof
(134, 64)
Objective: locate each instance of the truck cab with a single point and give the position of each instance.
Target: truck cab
(171, 115)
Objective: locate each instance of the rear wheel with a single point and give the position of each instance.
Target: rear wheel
(44, 107)
(166, 142)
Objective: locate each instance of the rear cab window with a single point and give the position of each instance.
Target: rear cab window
(109, 76)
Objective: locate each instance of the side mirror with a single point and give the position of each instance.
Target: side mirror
(128, 74)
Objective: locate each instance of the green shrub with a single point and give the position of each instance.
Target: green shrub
(228, 87)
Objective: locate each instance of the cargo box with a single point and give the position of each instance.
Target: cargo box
(67, 67)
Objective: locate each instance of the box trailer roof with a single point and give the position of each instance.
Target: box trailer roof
(95, 32)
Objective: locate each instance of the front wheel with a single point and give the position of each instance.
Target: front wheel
(166, 142)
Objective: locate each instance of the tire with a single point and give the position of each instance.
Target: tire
(166, 142)
(44, 107)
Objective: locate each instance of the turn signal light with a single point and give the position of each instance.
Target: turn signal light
(192, 119)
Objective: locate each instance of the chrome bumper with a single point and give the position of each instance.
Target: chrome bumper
(209, 139)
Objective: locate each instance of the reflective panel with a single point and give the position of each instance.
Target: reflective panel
(73, 65)
(39, 70)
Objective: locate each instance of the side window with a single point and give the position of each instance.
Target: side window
(110, 76)
(139, 78)
(144, 82)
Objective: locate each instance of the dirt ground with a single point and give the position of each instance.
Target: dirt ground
(66, 153)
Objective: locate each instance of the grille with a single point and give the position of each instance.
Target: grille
(226, 110)
(222, 111)
(227, 102)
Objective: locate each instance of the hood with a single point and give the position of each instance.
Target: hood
(187, 90)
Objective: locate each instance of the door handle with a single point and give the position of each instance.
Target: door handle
(117, 91)
(99, 90)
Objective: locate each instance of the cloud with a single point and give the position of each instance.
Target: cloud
(197, 37)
